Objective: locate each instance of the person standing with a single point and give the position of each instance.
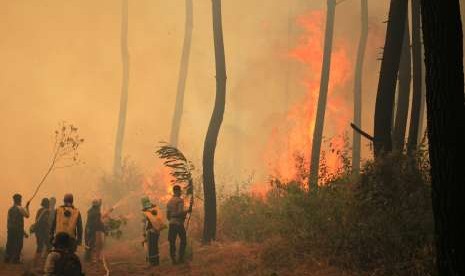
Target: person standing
(52, 204)
(41, 229)
(15, 230)
(68, 220)
(94, 231)
(153, 225)
(176, 216)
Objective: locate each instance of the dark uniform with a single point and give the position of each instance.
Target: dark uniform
(176, 216)
(15, 231)
(94, 230)
(42, 227)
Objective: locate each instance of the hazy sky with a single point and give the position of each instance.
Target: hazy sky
(60, 60)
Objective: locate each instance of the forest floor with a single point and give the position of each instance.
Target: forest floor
(127, 258)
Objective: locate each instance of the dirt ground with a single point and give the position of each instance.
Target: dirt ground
(127, 258)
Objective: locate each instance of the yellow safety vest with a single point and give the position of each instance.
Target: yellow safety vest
(66, 220)
(157, 221)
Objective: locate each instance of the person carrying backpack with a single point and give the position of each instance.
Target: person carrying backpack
(62, 261)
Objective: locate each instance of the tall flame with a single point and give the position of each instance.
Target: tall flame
(292, 137)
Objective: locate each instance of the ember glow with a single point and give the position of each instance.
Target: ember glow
(292, 136)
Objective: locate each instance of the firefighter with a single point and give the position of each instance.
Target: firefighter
(176, 216)
(153, 225)
(68, 220)
(15, 230)
(95, 231)
(41, 228)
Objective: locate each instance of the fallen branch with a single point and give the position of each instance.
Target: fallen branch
(361, 132)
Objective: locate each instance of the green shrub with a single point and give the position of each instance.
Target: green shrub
(379, 223)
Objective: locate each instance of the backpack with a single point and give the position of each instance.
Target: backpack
(68, 264)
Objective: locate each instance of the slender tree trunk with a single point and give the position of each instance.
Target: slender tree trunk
(320, 116)
(388, 76)
(117, 164)
(403, 99)
(443, 40)
(209, 230)
(356, 147)
(186, 50)
(417, 97)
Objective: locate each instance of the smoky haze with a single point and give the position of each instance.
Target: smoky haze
(61, 60)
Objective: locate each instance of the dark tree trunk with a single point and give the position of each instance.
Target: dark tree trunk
(320, 115)
(209, 230)
(403, 99)
(356, 147)
(388, 76)
(186, 50)
(442, 35)
(417, 97)
(117, 164)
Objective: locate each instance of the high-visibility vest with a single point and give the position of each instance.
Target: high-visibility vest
(66, 220)
(157, 221)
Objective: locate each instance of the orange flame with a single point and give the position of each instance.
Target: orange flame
(157, 186)
(292, 136)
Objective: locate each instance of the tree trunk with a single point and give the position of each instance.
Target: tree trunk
(356, 147)
(417, 97)
(403, 99)
(320, 116)
(209, 230)
(388, 76)
(186, 50)
(124, 91)
(442, 34)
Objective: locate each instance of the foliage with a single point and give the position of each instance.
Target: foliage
(356, 223)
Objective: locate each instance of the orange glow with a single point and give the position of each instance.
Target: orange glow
(157, 186)
(292, 136)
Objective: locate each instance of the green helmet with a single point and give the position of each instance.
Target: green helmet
(146, 204)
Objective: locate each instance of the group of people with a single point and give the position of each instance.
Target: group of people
(154, 224)
(59, 231)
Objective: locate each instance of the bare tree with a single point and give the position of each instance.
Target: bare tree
(209, 230)
(124, 90)
(403, 99)
(322, 99)
(183, 70)
(388, 76)
(417, 96)
(356, 147)
(443, 40)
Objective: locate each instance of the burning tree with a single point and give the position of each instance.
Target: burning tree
(322, 98)
(65, 151)
(356, 148)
